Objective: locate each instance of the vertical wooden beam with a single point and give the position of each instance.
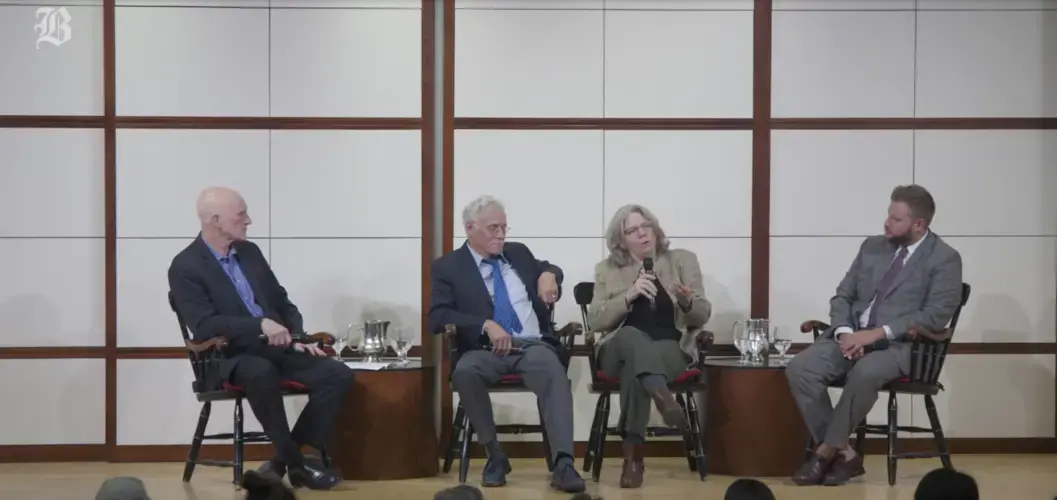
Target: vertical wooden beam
(110, 216)
(448, 189)
(761, 161)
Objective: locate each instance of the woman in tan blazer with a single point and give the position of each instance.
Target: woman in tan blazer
(648, 324)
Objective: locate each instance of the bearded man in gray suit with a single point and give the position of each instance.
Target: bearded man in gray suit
(908, 277)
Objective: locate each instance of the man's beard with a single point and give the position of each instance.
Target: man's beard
(900, 240)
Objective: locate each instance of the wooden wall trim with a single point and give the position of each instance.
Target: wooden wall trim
(760, 260)
(448, 197)
(110, 217)
(427, 340)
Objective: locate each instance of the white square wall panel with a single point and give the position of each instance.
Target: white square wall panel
(843, 64)
(52, 292)
(529, 4)
(726, 267)
(805, 272)
(682, 5)
(987, 4)
(346, 183)
(52, 64)
(686, 178)
(705, 71)
(52, 182)
(528, 63)
(843, 4)
(346, 62)
(1014, 170)
(337, 283)
(836, 182)
(191, 61)
(987, 388)
(987, 63)
(64, 404)
(549, 180)
(160, 174)
(1014, 295)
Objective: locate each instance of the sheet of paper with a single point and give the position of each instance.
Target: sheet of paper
(362, 365)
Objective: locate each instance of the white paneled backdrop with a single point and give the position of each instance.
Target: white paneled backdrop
(637, 59)
(337, 212)
(993, 188)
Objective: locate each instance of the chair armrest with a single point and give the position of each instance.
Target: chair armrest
(568, 333)
(705, 340)
(320, 338)
(922, 336)
(198, 348)
(814, 325)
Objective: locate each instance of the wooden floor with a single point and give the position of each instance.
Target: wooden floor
(1007, 477)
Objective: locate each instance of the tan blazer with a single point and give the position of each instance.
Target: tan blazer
(608, 310)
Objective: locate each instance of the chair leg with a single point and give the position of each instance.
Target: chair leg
(546, 443)
(700, 453)
(196, 441)
(600, 441)
(860, 438)
(893, 433)
(464, 454)
(937, 433)
(688, 442)
(240, 441)
(454, 441)
(592, 437)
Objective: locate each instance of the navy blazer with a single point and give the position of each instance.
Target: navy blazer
(207, 301)
(459, 296)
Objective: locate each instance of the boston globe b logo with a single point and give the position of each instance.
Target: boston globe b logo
(53, 26)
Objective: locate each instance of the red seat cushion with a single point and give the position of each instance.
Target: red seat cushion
(510, 379)
(683, 377)
(283, 384)
(905, 380)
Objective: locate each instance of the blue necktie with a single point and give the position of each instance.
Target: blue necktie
(503, 309)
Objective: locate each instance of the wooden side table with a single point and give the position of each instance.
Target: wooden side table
(386, 429)
(753, 424)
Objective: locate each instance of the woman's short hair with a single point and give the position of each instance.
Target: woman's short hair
(618, 253)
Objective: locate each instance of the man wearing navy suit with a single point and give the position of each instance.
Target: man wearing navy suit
(222, 285)
(497, 293)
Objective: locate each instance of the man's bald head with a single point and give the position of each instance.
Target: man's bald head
(223, 214)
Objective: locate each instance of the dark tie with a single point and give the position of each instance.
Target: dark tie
(886, 284)
(503, 309)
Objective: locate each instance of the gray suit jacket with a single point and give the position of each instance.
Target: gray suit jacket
(926, 292)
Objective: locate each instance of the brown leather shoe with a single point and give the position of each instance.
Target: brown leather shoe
(634, 465)
(673, 414)
(843, 471)
(813, 472)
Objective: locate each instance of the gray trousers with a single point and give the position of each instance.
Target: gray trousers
(822, 363)
(543, 374)
(631, 353)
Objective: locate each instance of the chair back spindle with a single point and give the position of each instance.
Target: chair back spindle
(927, 357)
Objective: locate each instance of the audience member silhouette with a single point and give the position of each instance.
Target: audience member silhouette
(748, 489)
(945, 484)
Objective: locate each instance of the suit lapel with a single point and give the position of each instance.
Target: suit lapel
(469, 268)
(212, 266)
(922, 251)
(523, 272)
(884, 261)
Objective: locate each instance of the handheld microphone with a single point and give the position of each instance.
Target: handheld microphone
(647, 266)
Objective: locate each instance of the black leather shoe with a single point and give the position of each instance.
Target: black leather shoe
(275, 468)
(313, 478)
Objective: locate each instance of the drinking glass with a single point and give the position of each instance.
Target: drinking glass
(402, 342)
(782, 345)
(340, 342)
(741, 340)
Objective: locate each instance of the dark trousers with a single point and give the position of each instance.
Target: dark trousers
(327, 380)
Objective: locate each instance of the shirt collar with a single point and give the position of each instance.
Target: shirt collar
(911, 248)
(478, 258)
(231, 252)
